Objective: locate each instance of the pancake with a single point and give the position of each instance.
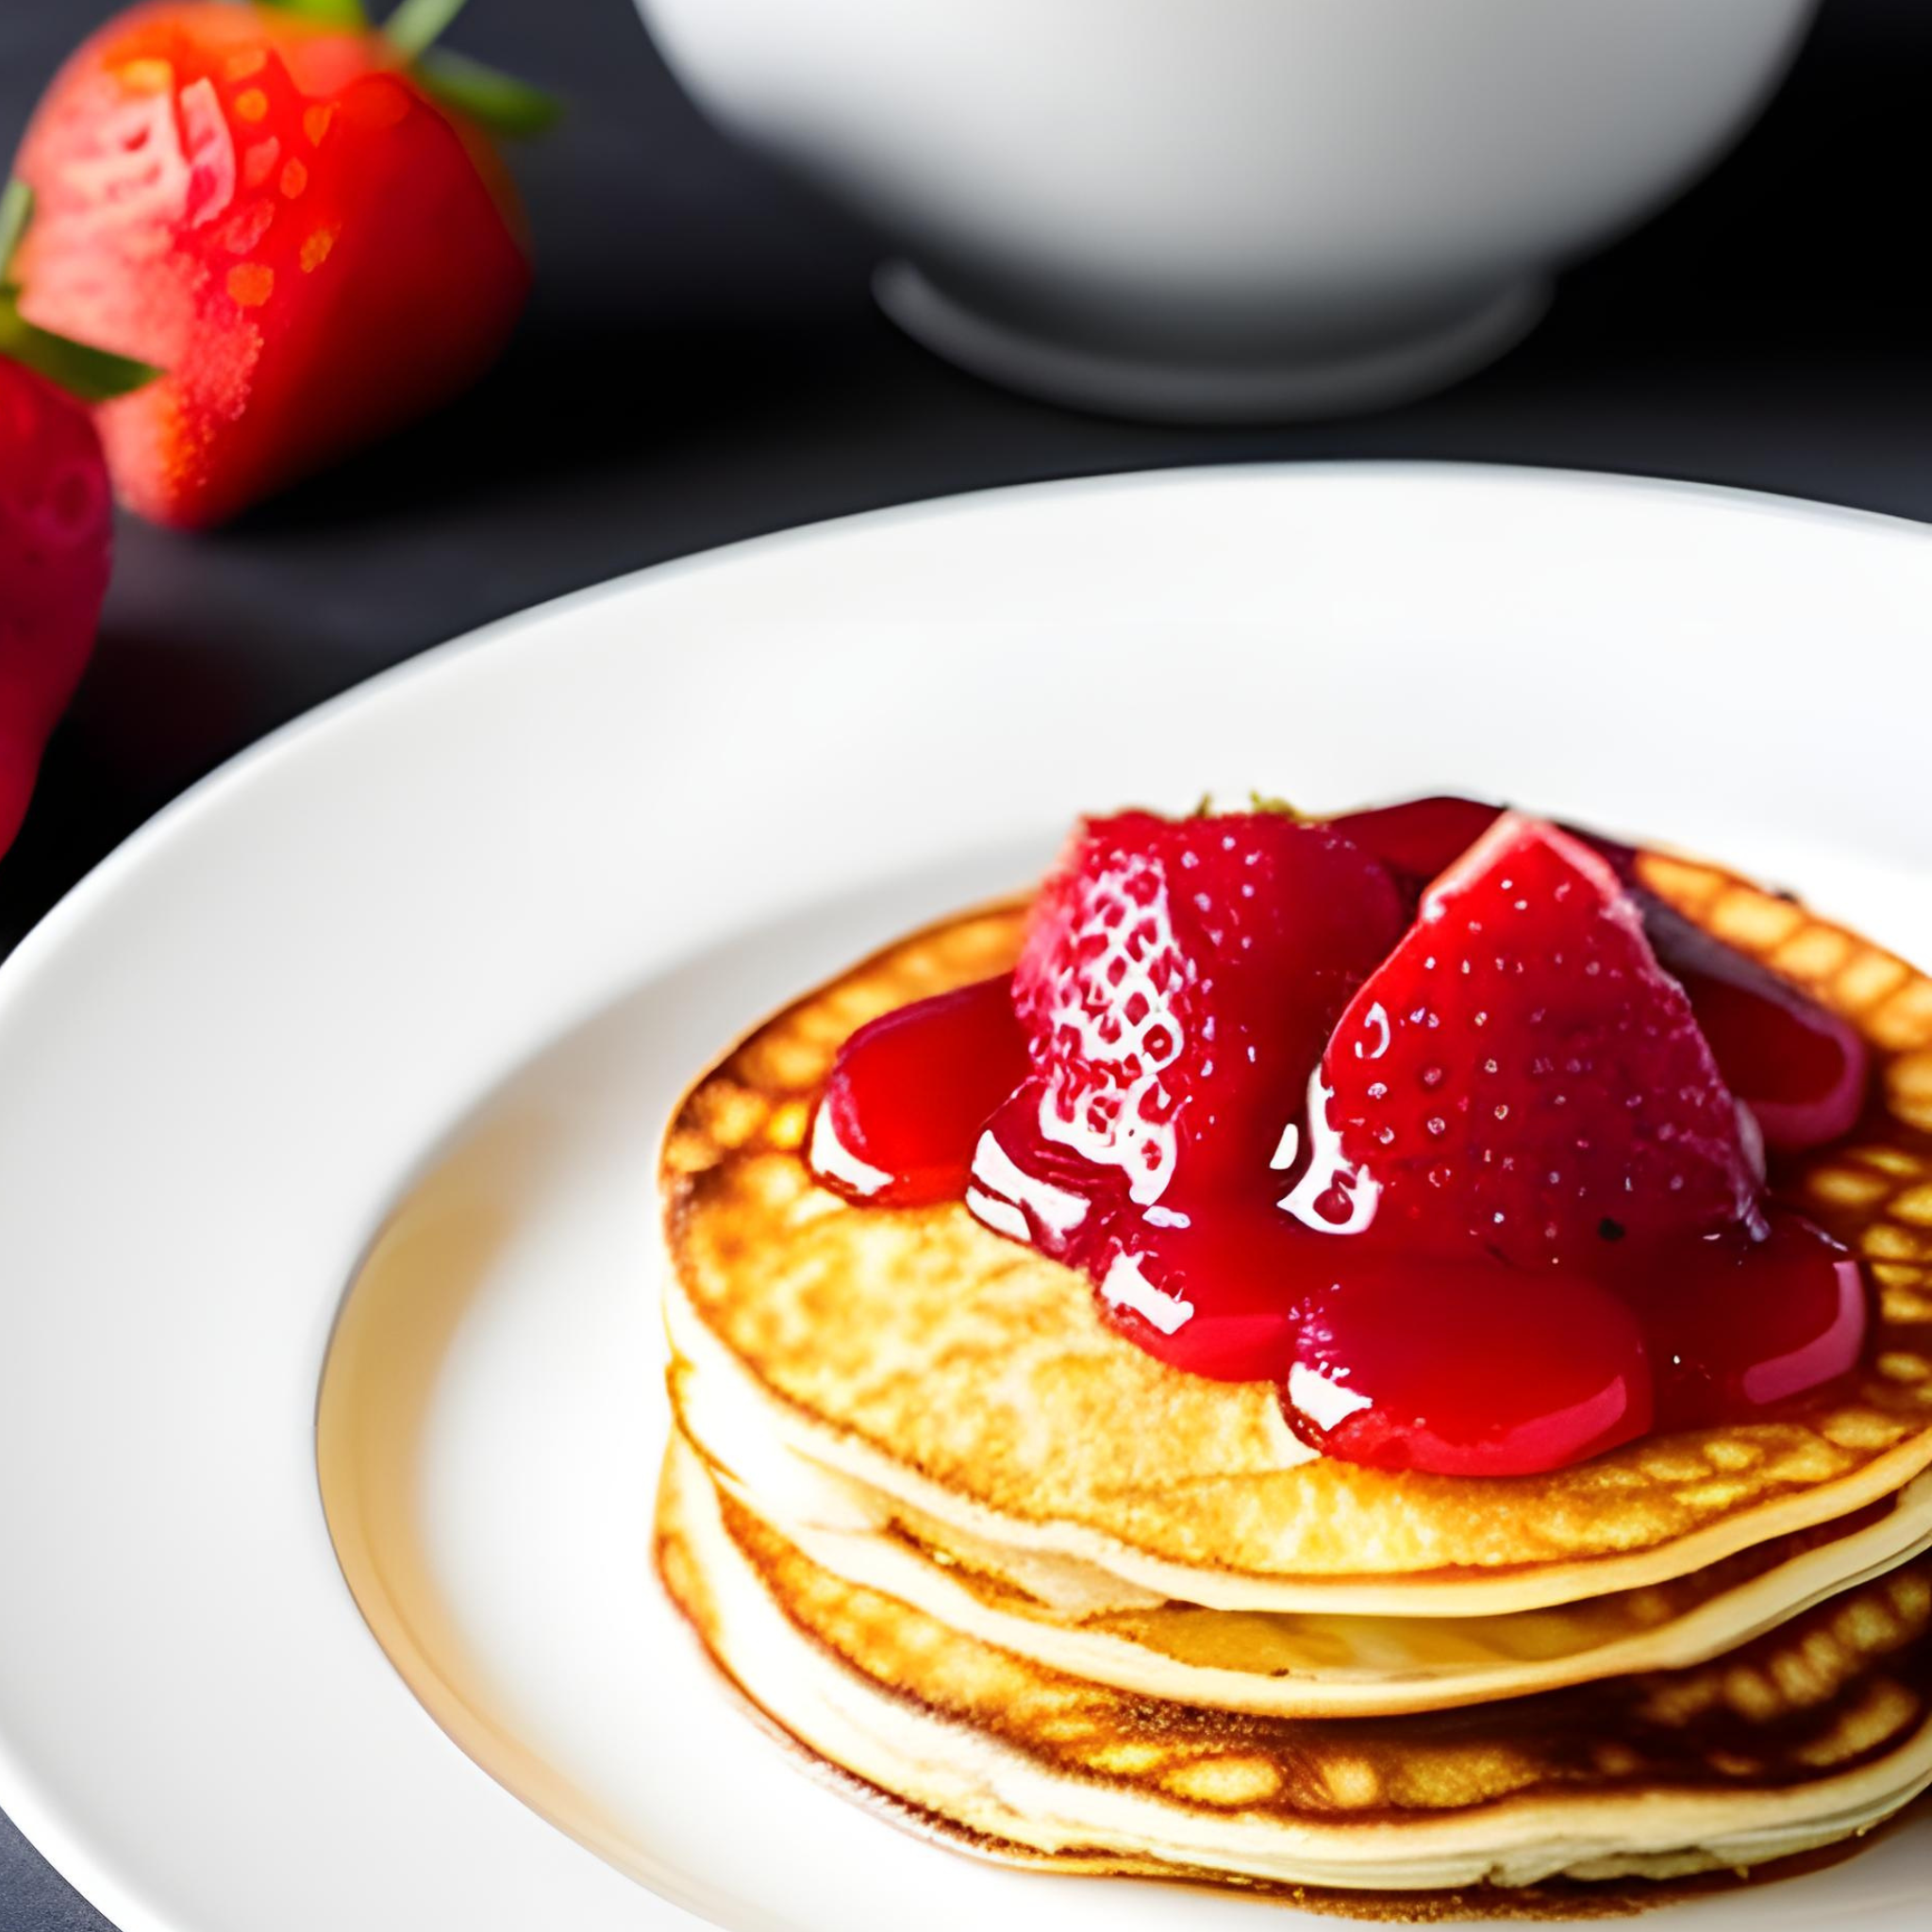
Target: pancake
(1316, 1664)
(1801, 1738)
(1071, 1614)
(972, 1382)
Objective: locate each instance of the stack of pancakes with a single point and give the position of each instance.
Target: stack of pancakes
(1072, 1607)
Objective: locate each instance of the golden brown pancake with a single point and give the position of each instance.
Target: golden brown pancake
(1802, 1736)
(973, 1382)
(1316, 1664)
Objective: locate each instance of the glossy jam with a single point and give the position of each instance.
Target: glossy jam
(1803, 1071)
(1390, 1348)
(1745, 1325)
(1492, 1371)
(1449, 1362)
(896, 1122)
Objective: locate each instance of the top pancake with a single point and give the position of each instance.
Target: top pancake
(976, 1379)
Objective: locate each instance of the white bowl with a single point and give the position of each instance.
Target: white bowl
(1232, 208)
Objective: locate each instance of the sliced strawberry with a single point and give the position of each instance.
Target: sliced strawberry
(1802, 1071)
(1177, 978)
(1418, 838)
(1521, 1073)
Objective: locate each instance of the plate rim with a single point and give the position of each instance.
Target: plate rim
(446, 656)
(67, 1846)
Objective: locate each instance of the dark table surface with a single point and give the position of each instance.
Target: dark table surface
(701, 362)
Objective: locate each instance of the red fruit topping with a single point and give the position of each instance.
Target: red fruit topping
(1222, 1296)
(1743, 1324)
(899, 1115)
(1180, 977)
(1521, 1072)
(1510, 1218)
(1467, 1369)
(1420, 837)
(1801, 1070)
(1037, 1189)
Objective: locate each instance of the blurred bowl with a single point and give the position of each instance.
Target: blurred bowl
(1231, 210)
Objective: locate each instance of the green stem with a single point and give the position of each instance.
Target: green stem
(91, 376)
(495, 101)
(16, 212)
(346, 16)
(416, 25)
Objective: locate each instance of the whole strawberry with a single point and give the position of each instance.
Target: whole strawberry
(56, 524)
(288, 213)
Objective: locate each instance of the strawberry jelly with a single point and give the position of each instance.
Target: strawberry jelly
(1488, 1374)
(1803, 1071)
(1408, 1358)
(1397, 1343)
(896, 1122)
(1748, 1324)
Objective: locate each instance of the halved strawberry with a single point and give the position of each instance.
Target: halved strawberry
(1523, 1074)
(1802, 1070)
(1178, 977)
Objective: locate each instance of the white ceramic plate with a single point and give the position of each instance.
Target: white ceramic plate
(560, 865)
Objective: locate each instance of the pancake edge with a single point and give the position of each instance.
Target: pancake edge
(872, 1735)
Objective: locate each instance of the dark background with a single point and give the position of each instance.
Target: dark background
(701, 363)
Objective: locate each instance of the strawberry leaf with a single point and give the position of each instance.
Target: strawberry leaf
(16, 212)
(496, 101)
(416, 25)
(90, 376)
(349, 15)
